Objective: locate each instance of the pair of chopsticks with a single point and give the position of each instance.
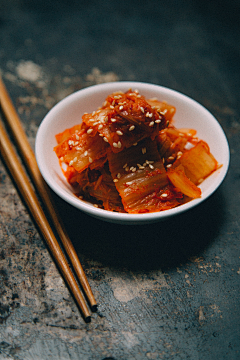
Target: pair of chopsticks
(25, 188)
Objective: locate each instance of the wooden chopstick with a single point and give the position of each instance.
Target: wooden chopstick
(35, 209)
(32, 167)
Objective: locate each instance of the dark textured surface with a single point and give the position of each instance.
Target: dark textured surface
(165, 291)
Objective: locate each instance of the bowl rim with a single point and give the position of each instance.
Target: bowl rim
(106, 215)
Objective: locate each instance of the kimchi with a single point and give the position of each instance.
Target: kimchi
(127, 156)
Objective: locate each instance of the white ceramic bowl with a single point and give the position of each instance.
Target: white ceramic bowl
(68, 112)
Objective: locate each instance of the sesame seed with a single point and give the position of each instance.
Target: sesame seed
(115, 145)
(141, 167)
(89, 131)
(120, 107)
(169, 165)
(132, 128)
(85, 153)
(106, 119)
(115, 180)
(70, 142)
(164, 195)
(100, 127)
(70, 163)
(171, 158)
(105, 103)
(78, 148)
(105, 139)
(136, 91)
(77, 137)
(135, 144)
(147, 114)
(144, 150)
(181, 134)
(119, 144)
(118, 175)
(163, 112)
(179, 153)
(158, 121)
(75, 143)
(150, 115)
(163, 160)
(94, 124)
(61, 158)
(128, 183)
(93, 113)
(100, 135)
(113, 120)
(111, 107)
(151, 123)
(90, 159)
(113, 103)
(200, 181)
(75, 159)
(124, 166)
(151, 166)
(142, 109)
(134, 169)
(119, 132)
(95, 205)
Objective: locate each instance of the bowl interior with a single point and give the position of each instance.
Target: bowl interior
(69, 111)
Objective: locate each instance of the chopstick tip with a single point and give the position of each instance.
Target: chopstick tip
(87, 319)
(94, 308)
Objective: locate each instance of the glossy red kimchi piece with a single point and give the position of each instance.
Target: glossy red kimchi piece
(141, 178)
(81, 149)
(124, 120)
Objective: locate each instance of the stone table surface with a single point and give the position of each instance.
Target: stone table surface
(165, 291)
